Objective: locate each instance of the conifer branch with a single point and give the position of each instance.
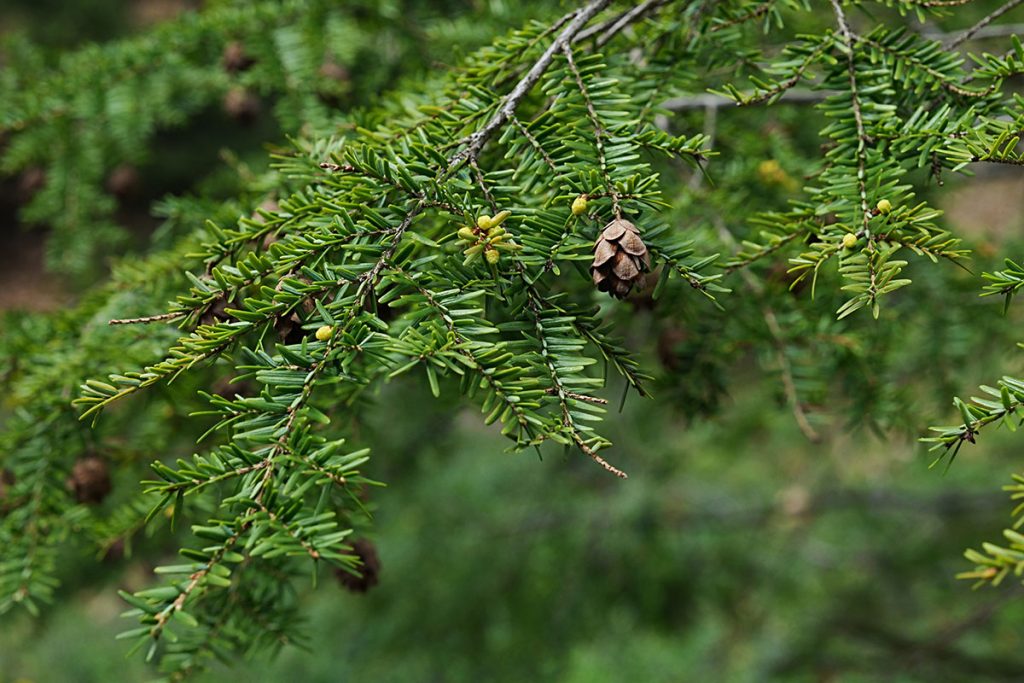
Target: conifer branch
(162, 317)
(710, 101)
(858, 114)
(608, 29)
(372, 256)
(535, 144)
(599, 132)
(475, 142)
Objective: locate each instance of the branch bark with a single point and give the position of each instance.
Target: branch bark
(508, 107)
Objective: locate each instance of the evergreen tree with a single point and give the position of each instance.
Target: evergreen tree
(468, 228)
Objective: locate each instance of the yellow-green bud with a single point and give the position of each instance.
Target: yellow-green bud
(324, 333)
(484, 222)
(499, 218)
(579, 205)
(849, 240)
(496, 232)
(492, 256)
(883, 206)
(467, 234)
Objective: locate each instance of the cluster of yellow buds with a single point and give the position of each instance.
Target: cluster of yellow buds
(487, 237)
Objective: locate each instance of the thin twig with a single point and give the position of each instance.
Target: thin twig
(997, 31)
(943, 3)
(173, 315)
(483, 185)
(755, 13)
(708, 101)
(611, 28)
(778, 339)
(598, 132)
(535, 143)
(558, 386)
(858, 116)
(194, 580)
(476, 141)
(592, 454)
(985, 21)
(710, 126)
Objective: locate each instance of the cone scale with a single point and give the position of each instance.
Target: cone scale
(620, 259)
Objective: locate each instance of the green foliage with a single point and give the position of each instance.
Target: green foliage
(296, 56)
(367, 253)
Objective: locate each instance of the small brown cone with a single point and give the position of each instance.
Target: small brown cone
(242, 105)
(369, 568)
(620, 259)
(123, 181)
(335, 72)
(668, 343)
(235, 58)
(31, 181)
(90, 480)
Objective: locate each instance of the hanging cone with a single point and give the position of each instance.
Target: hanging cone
(235, 58)
(369, 568)
(620, 259)
(89, 480)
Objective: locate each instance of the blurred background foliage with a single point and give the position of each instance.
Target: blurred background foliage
(738, 550)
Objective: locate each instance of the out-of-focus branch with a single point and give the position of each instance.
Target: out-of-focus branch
(708, 101)
(985, 21)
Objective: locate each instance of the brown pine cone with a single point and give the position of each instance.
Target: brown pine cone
(620, 259)
(242, 105)
(235, 58)
(369, 569)
(123, 181)
(32, 180)
(90, 480)
(668, 343)
(334, 71)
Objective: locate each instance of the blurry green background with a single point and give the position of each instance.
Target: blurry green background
(736, 551)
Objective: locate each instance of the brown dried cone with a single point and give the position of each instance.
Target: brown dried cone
(235, 58)
(32, 180)
(123, 181)
(620, 258)
(90, 480)
(242, 105)
(668, 343)
(334, 71)
(368, 570)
